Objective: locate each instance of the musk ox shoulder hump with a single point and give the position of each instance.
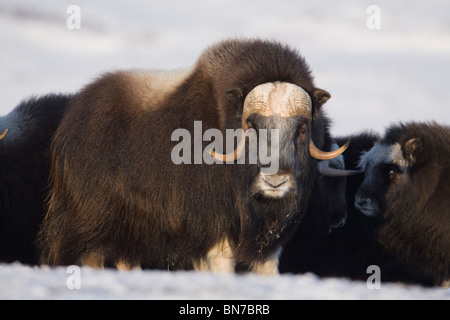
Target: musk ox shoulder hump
(140, 88)
(156, 84)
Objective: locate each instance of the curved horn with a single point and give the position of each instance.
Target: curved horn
(232, 156)
(325, 170)
(3, 134)
(323, 155)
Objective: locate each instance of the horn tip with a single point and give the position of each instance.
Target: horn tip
(347, 143)
(3, 134)
(353, 172)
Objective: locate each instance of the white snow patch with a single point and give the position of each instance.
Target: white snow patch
(22, 282)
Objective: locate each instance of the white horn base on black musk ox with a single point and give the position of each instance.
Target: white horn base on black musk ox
(117, 198)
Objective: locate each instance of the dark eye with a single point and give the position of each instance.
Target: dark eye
(251, 125)
(395, 170)
(301, 133)
(302, 129)
(391, 174)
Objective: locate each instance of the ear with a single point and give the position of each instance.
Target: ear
(412, 149)
(320, 97)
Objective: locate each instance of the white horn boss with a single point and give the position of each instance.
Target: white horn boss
(282, 99)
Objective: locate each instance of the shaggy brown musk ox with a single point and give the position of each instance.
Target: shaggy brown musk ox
(117, 198)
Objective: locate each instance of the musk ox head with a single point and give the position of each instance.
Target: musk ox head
(392, 163)
(377, 166)
(266, 87)
(413, 196)
(287, 109)
(420, 169)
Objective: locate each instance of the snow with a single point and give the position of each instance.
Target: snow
(22, 282)
(375, 77)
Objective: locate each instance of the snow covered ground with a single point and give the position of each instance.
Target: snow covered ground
(21, 282)
(375, 76)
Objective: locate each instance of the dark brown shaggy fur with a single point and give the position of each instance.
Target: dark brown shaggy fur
(416, 225)
(116, 194)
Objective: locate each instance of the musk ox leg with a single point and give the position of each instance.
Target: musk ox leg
(219, 259)
(93, 260)
(268, 266)
(122, 265)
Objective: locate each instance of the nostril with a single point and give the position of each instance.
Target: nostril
(361, 200)
(275, 180)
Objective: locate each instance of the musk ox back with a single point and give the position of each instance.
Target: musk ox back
(415, 224)
(118, 198)
(24, 167)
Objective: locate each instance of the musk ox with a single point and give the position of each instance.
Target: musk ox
(414, 190)
(24, 142)
(327, 209)
(322, 243)
(117, 197)
(328, 204)
(370, 197)
(347, 251)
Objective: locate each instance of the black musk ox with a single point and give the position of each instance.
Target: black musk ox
(24, 142)
(327, 203)
(415, 205)
(347, 251)
(118, 199)
(323, 243)
(370, 197)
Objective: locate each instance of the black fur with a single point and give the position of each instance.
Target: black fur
(347, 251)
(312, 248)
(24, 168)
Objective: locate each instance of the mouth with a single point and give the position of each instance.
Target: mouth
(273, 186)
(274, 193)
(339, 223)
(368, 210)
